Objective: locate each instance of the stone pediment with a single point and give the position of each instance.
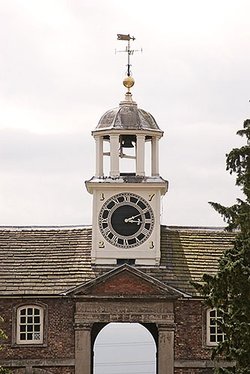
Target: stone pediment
(125, 281)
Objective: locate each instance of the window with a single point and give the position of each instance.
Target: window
(30, 324)
(214, 332)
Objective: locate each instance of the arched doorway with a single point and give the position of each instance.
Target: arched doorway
(123, 296)
(127, 348)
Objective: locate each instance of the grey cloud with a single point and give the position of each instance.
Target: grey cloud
(25, 152)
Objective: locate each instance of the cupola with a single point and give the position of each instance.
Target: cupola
(123, 127)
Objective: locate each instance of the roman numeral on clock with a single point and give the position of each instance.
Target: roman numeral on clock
(125, 242)
(106, 231)
(144, 231)
(114, 240)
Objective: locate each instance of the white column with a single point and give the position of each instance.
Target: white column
(82, 349)
(155, 156)
(140, 154)
(99, 156)
(114, 155)
(166, 349)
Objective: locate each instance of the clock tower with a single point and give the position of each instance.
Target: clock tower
(126, 187)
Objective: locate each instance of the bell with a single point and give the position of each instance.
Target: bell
(126, 142)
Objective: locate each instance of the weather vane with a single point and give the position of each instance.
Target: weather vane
(128, 81)
(128, 50)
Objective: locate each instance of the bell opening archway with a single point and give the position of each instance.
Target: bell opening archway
(129, 348)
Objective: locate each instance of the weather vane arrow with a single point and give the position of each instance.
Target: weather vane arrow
(125, 37)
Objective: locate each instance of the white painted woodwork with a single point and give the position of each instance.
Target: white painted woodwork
(114, 155)
(99, 156)
(155, 156)
(140, 154)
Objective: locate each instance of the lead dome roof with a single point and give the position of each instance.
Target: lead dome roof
(127, 116)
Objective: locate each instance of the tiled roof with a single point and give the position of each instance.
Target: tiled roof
(51, 260)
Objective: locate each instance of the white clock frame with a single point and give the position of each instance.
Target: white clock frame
(148, 252)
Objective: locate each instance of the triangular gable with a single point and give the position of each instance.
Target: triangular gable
(125, 281)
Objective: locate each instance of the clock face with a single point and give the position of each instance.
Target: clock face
(126, 220)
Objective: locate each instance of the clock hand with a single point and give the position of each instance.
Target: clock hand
(137, 215)
(134, 221)
(131, 218)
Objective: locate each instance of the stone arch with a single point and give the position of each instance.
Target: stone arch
(156, 315)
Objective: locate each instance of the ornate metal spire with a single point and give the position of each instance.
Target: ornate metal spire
(128, 81)
(127, 50)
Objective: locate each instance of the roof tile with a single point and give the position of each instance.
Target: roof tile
(53, 260)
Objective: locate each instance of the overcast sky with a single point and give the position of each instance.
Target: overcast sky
(59, 73)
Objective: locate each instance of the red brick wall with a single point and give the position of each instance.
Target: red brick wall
(189, 335)
(125, 284)
(48, 370)
(60, 335)
(190, 331)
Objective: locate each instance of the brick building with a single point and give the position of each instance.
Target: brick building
(60, 286)
(48, 273)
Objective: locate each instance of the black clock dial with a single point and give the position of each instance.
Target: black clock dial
(120, 220)
(126, 220)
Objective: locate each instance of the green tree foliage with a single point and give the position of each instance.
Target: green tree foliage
(3, 337)
(229, 290)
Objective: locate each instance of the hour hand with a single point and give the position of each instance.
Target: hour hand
(135, 221)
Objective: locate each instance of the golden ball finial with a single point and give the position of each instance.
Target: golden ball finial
(128, 82)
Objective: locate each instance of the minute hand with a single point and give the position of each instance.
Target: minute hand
(128, 219)
(131, 218)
